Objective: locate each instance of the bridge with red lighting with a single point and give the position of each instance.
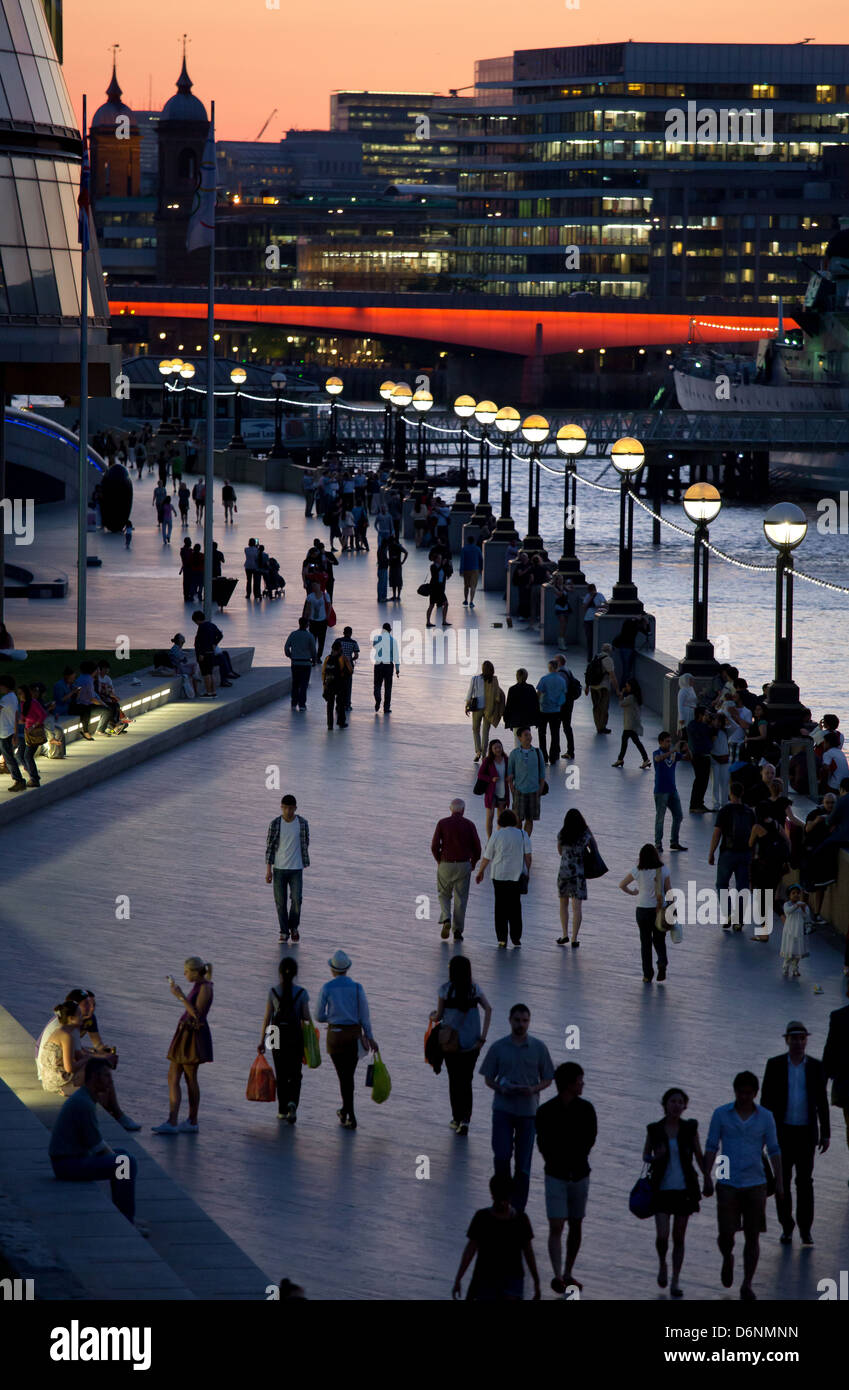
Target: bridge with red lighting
(471, 321)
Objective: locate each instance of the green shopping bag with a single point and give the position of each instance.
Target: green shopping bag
(312, 1051)
(382, 1083)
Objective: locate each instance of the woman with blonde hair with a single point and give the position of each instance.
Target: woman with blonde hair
(191, 1045)
(485, 703)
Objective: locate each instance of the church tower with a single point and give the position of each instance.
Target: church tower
(115, 148)
(181, 134)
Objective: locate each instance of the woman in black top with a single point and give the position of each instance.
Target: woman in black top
(440, 572)
(673, 1149)
(500, 1237)
(398, 555)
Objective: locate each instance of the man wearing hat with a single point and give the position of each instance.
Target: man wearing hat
(835, 1060)
(343, 1006)
(794, 1090)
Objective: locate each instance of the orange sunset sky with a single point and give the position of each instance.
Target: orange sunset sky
(251, 58)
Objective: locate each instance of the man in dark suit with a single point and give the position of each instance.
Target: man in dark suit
(835, 1060)
(794, 1090)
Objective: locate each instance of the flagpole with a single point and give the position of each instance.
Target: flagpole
(210, 407)
(82, 499)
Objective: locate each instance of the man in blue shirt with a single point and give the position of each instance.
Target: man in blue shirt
(665, 793)
(699, 740)
(742, 1130)
(343, 1006)
(471, 564)
(525, 778)
(551, 689)
(62, 692)
(77, 1149)
(516, 1068)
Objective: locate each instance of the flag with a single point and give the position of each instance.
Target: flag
(84, 199)
(201, 230)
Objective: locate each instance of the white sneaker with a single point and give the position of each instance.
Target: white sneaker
(187, 1128)
(126, 1122)
(167, 1128)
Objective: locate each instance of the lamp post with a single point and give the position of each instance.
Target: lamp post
(628, 457)
(333, 386)
(278, 382)
(464, 409)
(386, 389)
(485, 414)
(702, 504)
(571, 442)
(422, 403)
(785, 527)
(177, 365)
(187, 371)
(238, 376)
(535, 429)
(507, 421)
(400, 399)
(166, 367)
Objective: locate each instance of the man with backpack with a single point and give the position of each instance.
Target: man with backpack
(599, 680)
(732, 829)
(573, 691)
(526, 779)
(286, 856)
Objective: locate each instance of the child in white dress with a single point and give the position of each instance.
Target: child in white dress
(796, 917)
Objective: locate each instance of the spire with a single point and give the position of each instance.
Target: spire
(184, 82)
(113, 91)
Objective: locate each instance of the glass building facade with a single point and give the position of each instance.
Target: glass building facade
(571, 183)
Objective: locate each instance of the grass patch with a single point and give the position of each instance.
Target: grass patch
(47, 666)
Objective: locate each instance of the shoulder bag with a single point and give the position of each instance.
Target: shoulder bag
(594, 865)
(543, 791)
(641, 1200)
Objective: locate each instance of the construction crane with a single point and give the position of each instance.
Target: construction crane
(267, 123)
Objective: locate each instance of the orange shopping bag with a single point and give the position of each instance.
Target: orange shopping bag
(261, 1083)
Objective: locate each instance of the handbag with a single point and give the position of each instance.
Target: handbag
(331, 615)
(35, 736)
(433, 1052)
(312, 1049)
(449, 1038)
(382, 1082)
(641, 1200)
(543, 791)
(261, 1081)
(660, 923)
(524, 881)
(480, 786)
(424, 590)
(594, 865)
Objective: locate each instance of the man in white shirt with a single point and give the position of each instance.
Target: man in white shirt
(833, 765)
(286, 857)
(8, 715)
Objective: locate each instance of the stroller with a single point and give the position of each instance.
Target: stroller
(274, 581)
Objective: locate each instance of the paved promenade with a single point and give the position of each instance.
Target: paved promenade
(343, 1213)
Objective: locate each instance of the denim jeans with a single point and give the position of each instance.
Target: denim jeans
(7, 748)
(382, 584)
(97, 1167)
(733, 864)
(514, 1134)
(288, 884)
(662, 801)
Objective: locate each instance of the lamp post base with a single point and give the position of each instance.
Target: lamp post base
(535, 545)
(699, 660)
(237, 442)
(463, 501)
(505, 529)
(570, 565)
(782, 701)
(625, 601)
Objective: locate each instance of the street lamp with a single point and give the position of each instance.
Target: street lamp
(278, 383)
(464, 409)
(400, 399)
(166, 367)
(627, 457)
(785, 526)
(187, 371)
(333, 387)
(485, 413)
(238, 376)
(386, 389)
(702, 504)
(422, 403)
(507, 421)
(535, 429)
(571, 442)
